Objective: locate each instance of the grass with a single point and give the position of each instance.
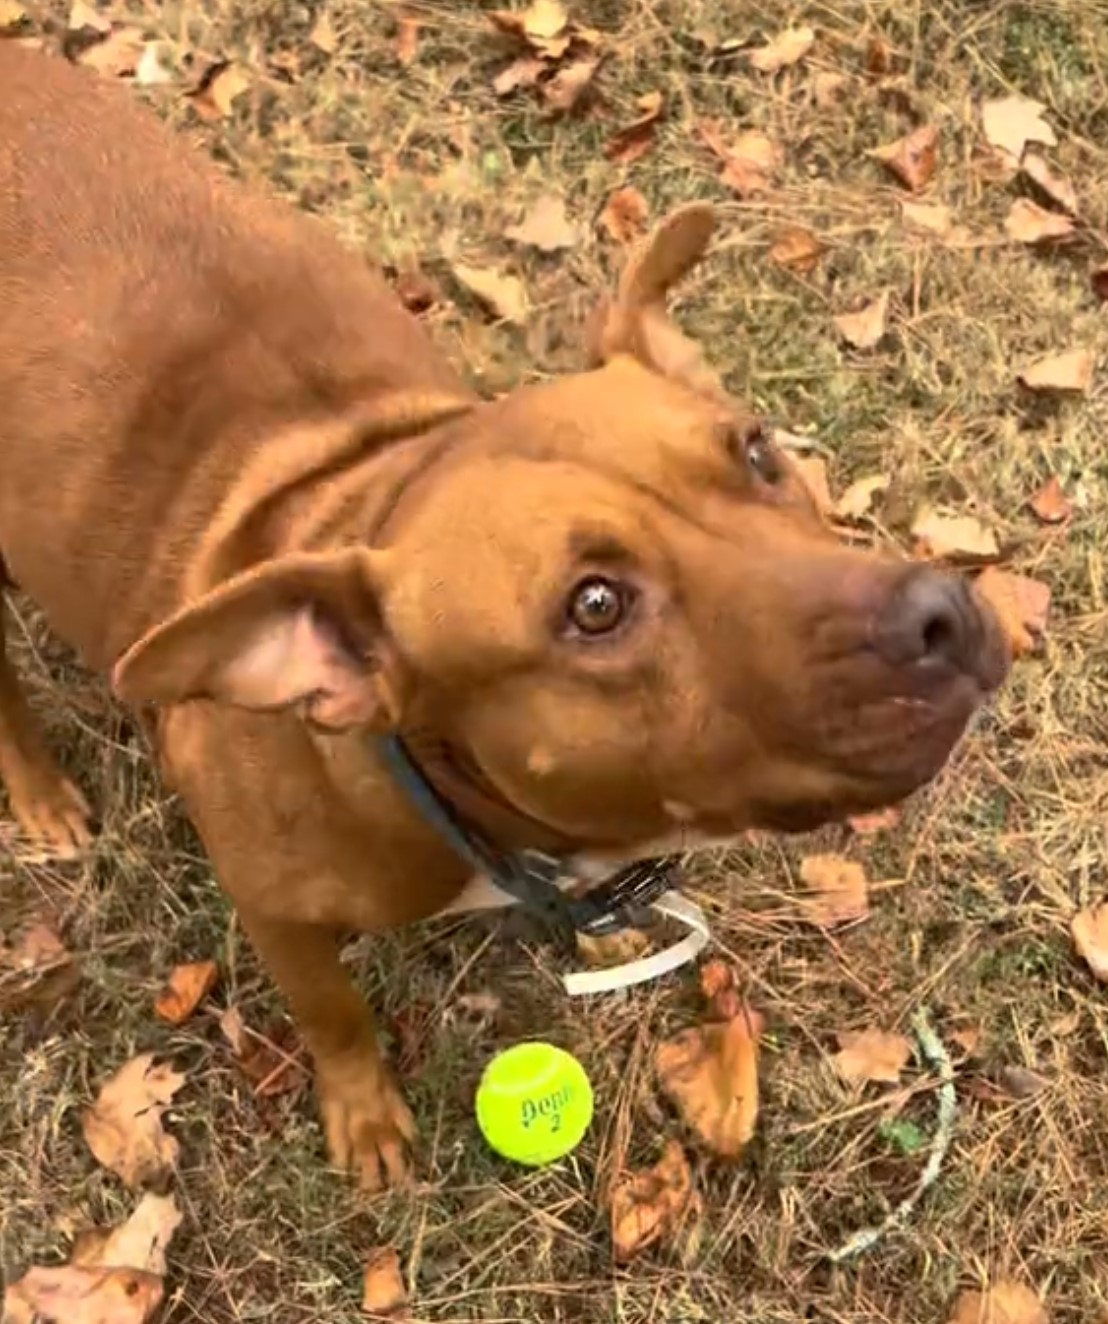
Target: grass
(421, 165)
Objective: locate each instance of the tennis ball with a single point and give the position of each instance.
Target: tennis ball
(534, 1103)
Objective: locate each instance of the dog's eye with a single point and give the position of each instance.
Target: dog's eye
(754, 445)
(598, 605)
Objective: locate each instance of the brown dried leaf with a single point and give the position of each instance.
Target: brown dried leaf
(1050, 503)
(1010, 123)
(139, 1243)
(634, 141)
(271, 1061)
(407, 38)
(563, 93)
(1021, 1082)
(503, 295)
(384, 1292)
(785, 49)
(123, 1128)
(1006, 1302)
(813, 472)
(1056, 187)
(323, 35)
(36, 970)
(1071, 371)
(796, 249)
(857, 501)
(749, 162)
(546, 226)
(649, 1206)
(1021, 605)
(117, 56)
(524, 72)
(839, 887)
(188, 986)
(711, 1074)
(626, 215)
(871, 1055)
(221, 87)
(864, 329)
(953, 537)
(1098, 279)
(719, 984)
(1090, 936)
(934, 217)
(73, 1295)
(1028, 223)
(912, 159)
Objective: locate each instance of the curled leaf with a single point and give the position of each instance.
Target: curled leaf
(1071, 371)
(186, 989)
(912, 159)
(649, 1206)
(383, 1290)
(1028, 223)
(1021, 605)
(785, 49)
(871, 1055)
(839, 890)
(1089, 928)
(1050, 503)
(864, 328)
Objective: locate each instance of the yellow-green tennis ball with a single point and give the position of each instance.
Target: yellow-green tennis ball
(534, 1103)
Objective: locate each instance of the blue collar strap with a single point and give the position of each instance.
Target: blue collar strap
(530, 876)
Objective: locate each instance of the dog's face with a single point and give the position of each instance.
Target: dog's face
(613, 599)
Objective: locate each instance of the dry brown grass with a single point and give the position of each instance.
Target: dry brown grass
(423, 163)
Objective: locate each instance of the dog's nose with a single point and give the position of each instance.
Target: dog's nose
(931, 619)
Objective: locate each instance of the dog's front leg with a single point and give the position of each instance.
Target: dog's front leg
(367, 1123)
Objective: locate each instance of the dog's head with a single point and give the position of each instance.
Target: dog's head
(613, 598)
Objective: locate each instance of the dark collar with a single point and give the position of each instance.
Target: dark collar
(532, 876)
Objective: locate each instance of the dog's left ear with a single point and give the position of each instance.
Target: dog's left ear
(635, 320)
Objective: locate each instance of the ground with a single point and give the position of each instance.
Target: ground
(420, 163)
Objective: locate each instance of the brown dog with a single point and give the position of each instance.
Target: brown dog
(603, 612)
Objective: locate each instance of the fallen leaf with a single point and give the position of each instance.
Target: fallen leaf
(785, 49)
(871, 1055)
(186, 989)
(1021, 605)
(749, 162)
(383, 1292)
(881, 820)
(117, 56)
(123, 1128)
(813, 472)
(220, 88)
(12, 15)
(912, 159)
(934, 217)
(634, 141)
(796, 249)
(1098, 279)
(1006, 1302)
(1050, 503)
(271, 1061)
(524, 72)
(139, 1243)
(1021, 1082)
(1071, 371)
(1068, 1024)
(953, 537)
(710, 1072)
(541, 25)
(1090, 936)
(85, 17)
(1012, 122)
(1028, 223)
(719, 984)
(857, 501)
(1056, 187)
(323, 36)
(649, 1206)
(626, 215)
(839, 890)
(564, 91)
(864, 329)
(879, 56)
(72, 1295)
(407, 38)
(968, 1039)
(150, 72)
(503, 295)
(608, 949)
(546, 226)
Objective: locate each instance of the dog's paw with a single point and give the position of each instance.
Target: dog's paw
(368, 1125)
(54, 815)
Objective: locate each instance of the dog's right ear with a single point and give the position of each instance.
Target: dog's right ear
(635, 320)
(305, 629)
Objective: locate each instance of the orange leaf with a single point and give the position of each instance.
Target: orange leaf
(1050, 502)
(647, 1206)
(796, 249)
(1006, 1302)
(626, 215)
(220, 88)
(1028, 223)
(383, 1292)
(1056, 187)
(186, 989)
(912, 159)
(953, 537)
(637, 138)
(123, 1128)
(858, 498)
(1010, 123)
(785, 49)
(1021, 605)
(1090, 936)
(864, 329)
(840, 890)
(871, 1055)
(711, 1074)
(1071, 371)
